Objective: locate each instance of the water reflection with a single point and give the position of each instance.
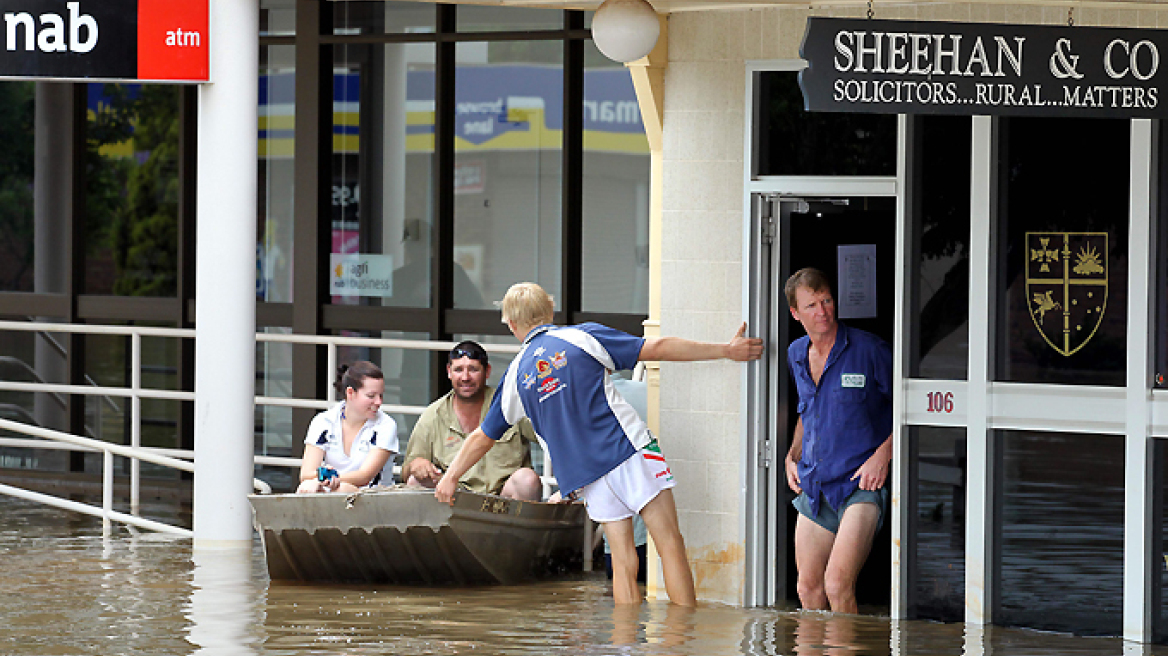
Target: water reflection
(223, 604)
(68, 591)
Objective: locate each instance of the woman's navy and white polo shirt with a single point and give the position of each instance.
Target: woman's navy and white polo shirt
(560, 381)
(378, 433)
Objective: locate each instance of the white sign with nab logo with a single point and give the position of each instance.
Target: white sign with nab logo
(361, 274)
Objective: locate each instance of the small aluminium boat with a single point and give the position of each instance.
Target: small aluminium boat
(402, 535)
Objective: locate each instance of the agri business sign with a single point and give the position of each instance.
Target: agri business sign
(117, 40)
(899, 67)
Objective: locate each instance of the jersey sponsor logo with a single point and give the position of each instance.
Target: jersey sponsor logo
(560, 360)
(453, 439)
(528, 381)
(539, 350)
(550, 387)
(543, 368)
(852, 380)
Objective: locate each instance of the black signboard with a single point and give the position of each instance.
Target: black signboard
(916, 67)
(69, 39)
(151, 40)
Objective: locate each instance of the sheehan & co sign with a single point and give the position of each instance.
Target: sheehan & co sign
(898, 67)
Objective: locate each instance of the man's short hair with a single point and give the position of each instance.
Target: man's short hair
(808, 277)
(528, 305)
(469, 349)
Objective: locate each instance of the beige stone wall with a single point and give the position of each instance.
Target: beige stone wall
(701, 247)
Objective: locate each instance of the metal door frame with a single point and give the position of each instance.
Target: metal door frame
(762, 525)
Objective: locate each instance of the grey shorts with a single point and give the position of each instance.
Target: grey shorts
(829, 518)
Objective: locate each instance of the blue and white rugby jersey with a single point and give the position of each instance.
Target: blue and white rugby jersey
(560, 381)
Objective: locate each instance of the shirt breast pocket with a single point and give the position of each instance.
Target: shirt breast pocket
(850, 404)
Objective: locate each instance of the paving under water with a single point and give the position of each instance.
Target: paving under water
(67, 590)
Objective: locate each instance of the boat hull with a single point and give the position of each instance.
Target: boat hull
(406, 536)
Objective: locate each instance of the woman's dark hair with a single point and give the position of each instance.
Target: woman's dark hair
(354, 375)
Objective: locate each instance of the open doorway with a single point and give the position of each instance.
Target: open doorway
(852, 240)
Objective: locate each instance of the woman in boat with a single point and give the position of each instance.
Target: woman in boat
(351, 445)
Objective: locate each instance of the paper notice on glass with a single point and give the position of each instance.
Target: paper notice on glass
(857, 281)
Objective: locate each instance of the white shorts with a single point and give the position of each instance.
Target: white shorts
(624, 491)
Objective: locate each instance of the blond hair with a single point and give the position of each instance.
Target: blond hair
(527, 305)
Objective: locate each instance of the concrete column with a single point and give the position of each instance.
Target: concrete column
(648, 75)
(52, 205)
(224, 278)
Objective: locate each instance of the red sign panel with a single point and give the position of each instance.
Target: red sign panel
(174, 42)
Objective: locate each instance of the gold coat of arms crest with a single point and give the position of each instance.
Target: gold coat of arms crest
(1066, 286)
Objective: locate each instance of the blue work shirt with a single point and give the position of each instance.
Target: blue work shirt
(561, 381)
(847, 416)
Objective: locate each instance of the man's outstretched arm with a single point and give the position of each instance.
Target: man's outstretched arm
(472, 450)
(676, 349)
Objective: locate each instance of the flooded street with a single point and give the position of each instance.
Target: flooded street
(69, 592)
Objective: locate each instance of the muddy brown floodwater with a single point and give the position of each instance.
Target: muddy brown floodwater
(68, 591)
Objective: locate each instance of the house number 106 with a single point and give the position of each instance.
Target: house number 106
(940, 401)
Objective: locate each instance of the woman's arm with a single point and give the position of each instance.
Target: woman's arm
(313, 457)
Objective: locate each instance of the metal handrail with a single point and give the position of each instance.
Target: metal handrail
(108, 450)
(136, 393)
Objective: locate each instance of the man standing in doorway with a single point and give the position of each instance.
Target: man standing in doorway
(842, 447)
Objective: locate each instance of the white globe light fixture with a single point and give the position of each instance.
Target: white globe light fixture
(625, 30)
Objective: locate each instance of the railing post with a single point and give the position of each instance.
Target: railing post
(330, 372)
(107, 490)
(135, 419)
(547, 473)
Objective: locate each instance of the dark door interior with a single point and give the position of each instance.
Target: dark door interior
(812, 231)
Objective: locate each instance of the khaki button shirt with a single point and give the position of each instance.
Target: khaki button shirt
(438, 436)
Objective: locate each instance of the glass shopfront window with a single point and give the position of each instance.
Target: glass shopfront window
(383, 145)
(17, 129)
(509, 124)
(940, 208)
(937, 527)
(476, 18)
(615, 271)
(1060, 530)
(363, 17)
(1159, 564)
(277, 140)
(132, 189)
(1063, 250)
(792, 141)
(277, 17)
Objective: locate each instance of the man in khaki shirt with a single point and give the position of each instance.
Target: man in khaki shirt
(439, 434)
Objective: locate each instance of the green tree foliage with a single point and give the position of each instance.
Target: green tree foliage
(133, 202)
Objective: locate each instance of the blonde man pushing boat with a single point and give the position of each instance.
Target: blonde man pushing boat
(601, 450)
(443, 427)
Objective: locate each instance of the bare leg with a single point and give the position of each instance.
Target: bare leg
(624, 561)
(524, 485)
(813, 545)
(852, 544)
(660, 517)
